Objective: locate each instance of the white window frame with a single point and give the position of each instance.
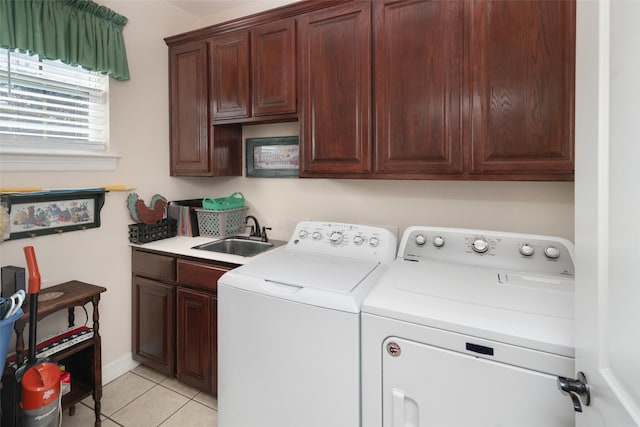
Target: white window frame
(24, 154)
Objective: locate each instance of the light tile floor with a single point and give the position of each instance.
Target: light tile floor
(145, 398)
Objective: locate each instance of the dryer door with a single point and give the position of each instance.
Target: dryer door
(425, 385)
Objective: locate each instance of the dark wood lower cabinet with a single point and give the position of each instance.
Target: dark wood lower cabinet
(154, 320)
(197, 324)
(175, 316)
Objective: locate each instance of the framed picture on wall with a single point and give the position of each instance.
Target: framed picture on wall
(276, 157)
(49, 212)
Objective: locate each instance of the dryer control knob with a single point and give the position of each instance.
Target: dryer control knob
(358, 240)
(420, 239)
(551, 252)
(526, 249)
(303, 234)
(336, 237)
(316, 235)
(374, 241)
(480, 246)
(438, 241)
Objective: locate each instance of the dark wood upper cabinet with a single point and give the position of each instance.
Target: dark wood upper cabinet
(335, 80)
(273, 68)
(393, 89)
(480, 90)
(231, 92)
(522, 101)
(196, 147)
(189, 96)
(419, 87)
(253, 74)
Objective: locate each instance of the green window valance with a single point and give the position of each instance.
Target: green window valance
(77, 32)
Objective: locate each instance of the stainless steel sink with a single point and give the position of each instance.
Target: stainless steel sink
(240, 245)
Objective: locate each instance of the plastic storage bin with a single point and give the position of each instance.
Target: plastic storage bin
(6, 328)
(144, 233)
(234, 201)
(221, 223)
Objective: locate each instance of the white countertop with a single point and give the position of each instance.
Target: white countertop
(181, 245)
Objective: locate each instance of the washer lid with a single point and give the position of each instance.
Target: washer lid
(327, 273)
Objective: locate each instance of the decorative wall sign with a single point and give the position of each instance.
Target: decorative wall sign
(50, 212)
(273, 157)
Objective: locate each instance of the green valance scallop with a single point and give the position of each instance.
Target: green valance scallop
(77, 32)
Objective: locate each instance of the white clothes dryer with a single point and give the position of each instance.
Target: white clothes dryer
(470, 328)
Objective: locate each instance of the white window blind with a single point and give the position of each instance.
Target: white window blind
(50, 106)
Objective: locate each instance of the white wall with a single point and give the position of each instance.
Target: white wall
(139, 132)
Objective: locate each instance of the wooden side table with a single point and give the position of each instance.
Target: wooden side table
(83, 360)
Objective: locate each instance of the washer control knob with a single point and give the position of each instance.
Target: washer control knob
(316, 235)
(336, 237)
(374, 242)
(438, 241)
(480, 246)
(421, 239)
(552, 252)
(303, 234)
(358, 240)
(526, 249)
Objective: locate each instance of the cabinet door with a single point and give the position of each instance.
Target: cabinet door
(273, 68)
(522, 103)
(419, 80)
(189, 98)
(153, 329)
(195, 326)
(335, 82)
(230, 90)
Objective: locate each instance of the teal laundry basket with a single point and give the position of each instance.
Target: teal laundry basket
(6, 327)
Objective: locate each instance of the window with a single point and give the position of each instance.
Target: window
(51, 108)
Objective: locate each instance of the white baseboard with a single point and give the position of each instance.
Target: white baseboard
(117, 368)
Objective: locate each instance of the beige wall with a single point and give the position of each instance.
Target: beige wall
(139, 133)
(248, 8)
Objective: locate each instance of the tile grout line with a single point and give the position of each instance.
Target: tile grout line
(157, 383)
(101, 414)
(136, 398)
(160, 383)
(174, 412)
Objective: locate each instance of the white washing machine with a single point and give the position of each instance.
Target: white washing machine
(289, 328)
(470, 328)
